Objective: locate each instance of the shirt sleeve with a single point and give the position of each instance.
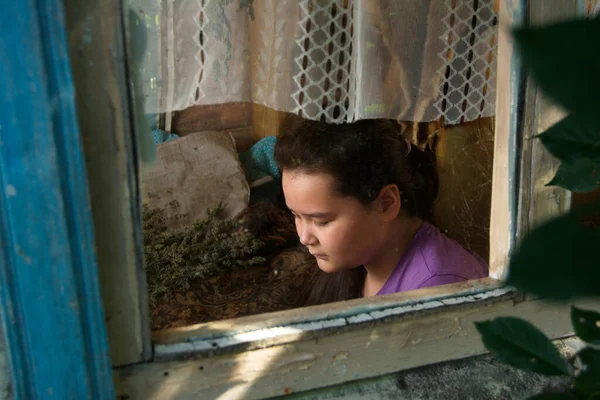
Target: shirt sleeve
(437, 280)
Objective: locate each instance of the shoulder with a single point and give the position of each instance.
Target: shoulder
(446, 260)
(434, 259)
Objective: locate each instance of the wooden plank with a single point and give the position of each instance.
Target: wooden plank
(368, 350)
(229, 341)
(267, 121)
(244, 138)
(322, 312)
(50, 299)
(505, 177)
(474, 378)
(538, 202)
(553, 200)
(217, 117)
(262, 120)
(97, 51)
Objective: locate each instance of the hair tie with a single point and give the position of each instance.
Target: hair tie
(408, 147)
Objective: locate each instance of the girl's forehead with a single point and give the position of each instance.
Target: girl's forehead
(309, 193)
(301, 178)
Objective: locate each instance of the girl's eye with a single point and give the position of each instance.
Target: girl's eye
(322, 223)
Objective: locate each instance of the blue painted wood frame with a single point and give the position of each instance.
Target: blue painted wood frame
(49, 291)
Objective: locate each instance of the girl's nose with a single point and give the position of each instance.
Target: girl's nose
(307, 238)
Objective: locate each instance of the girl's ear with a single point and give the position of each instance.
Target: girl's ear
(389, 202)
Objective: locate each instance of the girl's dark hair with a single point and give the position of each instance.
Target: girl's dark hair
(362, 157)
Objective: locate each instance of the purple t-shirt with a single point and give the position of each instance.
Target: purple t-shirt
(433, 259)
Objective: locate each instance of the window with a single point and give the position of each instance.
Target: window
(289, 351)
(330, 61)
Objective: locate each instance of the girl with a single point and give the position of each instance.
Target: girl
(361, 197)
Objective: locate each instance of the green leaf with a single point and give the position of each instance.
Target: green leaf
(572, 139)
(518, 343)
(564, 60)
(586, 324)
(588, 379)
(581, 176)
(553, 396)
(559, 260)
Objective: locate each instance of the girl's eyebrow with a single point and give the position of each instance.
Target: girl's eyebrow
(318, 215)
(313, 215)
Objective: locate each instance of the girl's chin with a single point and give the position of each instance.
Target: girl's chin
(329, 267)
(326, 266)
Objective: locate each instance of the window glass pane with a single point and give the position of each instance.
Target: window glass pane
(399, 97)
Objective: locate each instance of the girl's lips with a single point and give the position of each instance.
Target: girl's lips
(321, 256)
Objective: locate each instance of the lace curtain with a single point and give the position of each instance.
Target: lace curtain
(335, 60)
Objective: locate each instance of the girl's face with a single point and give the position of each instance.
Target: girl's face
(339, 231)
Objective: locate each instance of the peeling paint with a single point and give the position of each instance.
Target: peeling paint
(357, 319)
(11, 191)
(282, 332)
(174, 349)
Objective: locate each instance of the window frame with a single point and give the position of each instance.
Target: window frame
(300, 346)
(50, 303)
(105, 113)
(307, 359)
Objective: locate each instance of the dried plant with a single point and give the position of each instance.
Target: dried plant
(205, 248)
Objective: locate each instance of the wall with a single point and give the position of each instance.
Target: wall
(477, 378)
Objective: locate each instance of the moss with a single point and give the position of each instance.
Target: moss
(203, 249)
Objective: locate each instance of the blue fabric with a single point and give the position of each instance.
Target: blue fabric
(259, 160)
(161, 136)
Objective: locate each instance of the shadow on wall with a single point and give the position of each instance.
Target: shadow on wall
(480, 377)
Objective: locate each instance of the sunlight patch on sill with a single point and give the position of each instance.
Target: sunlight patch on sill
(297, 330)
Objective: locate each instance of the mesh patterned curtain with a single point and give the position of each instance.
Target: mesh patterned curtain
(334, 60)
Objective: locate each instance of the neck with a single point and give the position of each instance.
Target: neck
(398, 239)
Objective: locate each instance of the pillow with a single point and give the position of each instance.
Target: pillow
(199, 171)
